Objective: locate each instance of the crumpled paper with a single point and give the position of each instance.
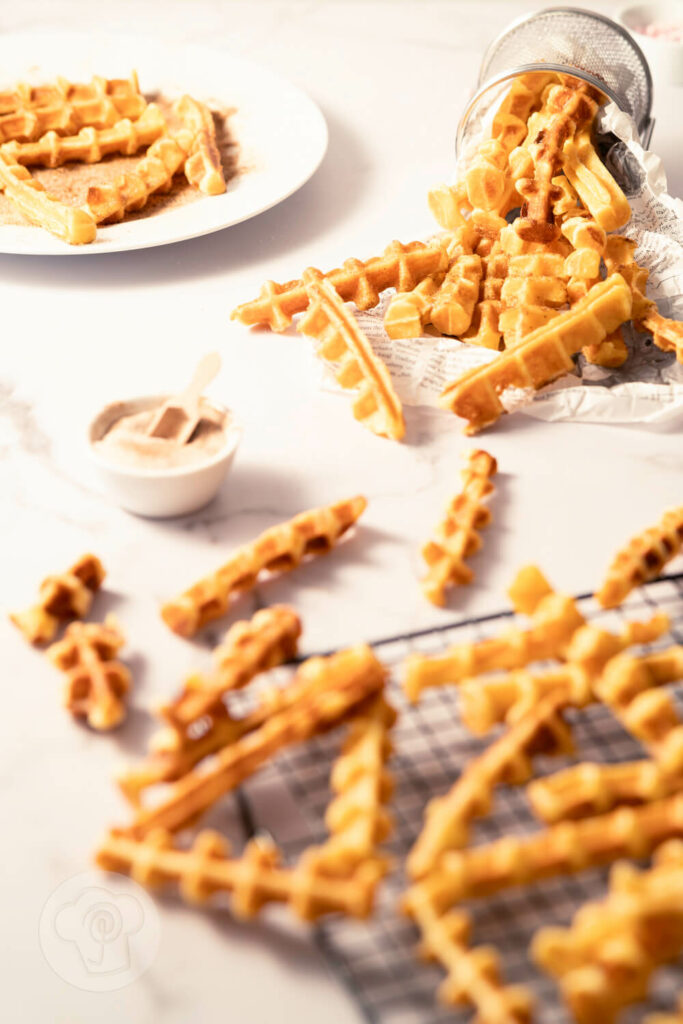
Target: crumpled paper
(646, 391)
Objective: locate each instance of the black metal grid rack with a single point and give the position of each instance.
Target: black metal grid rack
(376, 960)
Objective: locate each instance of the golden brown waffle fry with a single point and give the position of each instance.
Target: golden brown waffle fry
(279, 549)
(254, 879)
(597, 189)
(60, 598)
(71, 224)
(666, 334)
(447, 818)
(65, 108)
(619, 259)
(449, 204)
(588, 788)
(484, 329)
(401, 267)
(342, 343)
(338, 684)
(528, 589)
(473, 975)
(91, 144)
(453, 304)
(488, 181)
(457, 536)
(532, 294)
(95, 683)
(642, 559)
(605, 960)
(676, 1017)
(153, 173)
(409, 312)
(203, 168)
(267, 640)
(541, 357)
(356, 818)
(566, 848)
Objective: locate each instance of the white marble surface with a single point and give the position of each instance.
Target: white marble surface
(391, 79)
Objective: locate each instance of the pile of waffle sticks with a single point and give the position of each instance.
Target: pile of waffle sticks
(530, 265)
(592, 814)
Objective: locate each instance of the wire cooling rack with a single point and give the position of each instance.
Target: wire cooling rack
(375, 960)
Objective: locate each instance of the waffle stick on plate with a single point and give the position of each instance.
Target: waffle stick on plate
(508, 759)
(96, 683)
(69, 223)
(342, 343)
(642, 559)
(254, 879)
(203, 168)
(541, 357)
(338, 685)
(400, 267)
(60, 598)
(279, 549)
(27, 97)
(606, 960)
(457, 536)
(90, 145)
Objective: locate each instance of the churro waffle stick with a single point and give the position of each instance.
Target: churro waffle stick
(457, 536)
(342, 343)
(338, 684)
(508, 759)
(541, 357)
(606, 959)
(26, 97)
(254, 879)
(95, 682)
(566, 848)
(91, 144)
(153, 173)
(279, 549)
(203, 168)
(71, 224)
(268, 639)
(60, 598)
(643, 558)
(400, 267)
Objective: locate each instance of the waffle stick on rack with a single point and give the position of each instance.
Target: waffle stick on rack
(642, 559)
(279, 549)
(333, 688)
(254, 879)
(96, 683)
(605, 961)
(342, 343)
(60, 598)
(90, 145)
(457, 536)
(203, 167)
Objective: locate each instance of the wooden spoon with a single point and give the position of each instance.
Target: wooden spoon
(178, 417)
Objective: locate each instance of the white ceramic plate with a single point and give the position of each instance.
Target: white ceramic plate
(281, 133)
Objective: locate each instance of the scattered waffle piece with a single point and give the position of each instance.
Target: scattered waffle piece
(453, 304)
(488, 181)
(71, 224)
(409, 312)
(91, 144)
(457, 536)
(508, 759)
(590, 788)
(401, 267)
(597, 189)
(95, 682)
(556, 618)
(449, 204)
(541, 357)
(342, 343)
(338, 684)
(279, 549)
(642, 559)
(203, 167)
(65, 108)
(254, 879)
(356, 817)
(605, 961)
(61, 598)
(566, 848)
(268, 639)
(532, 294)
(473, 975)
(666, 334)
(153, 173)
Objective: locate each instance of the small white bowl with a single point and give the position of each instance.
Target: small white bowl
(159, 492)
(665, 56)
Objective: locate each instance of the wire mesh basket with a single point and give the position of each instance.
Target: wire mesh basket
(566, 40)
(375, 960)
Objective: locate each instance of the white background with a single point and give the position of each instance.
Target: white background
(391, 80)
